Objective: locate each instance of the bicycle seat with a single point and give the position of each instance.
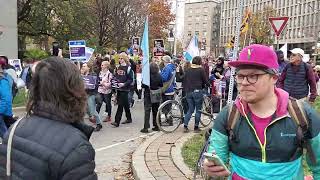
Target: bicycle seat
(178, 88)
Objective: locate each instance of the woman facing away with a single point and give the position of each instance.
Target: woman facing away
(52, 142)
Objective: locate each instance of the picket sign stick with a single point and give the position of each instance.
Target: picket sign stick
(235, 50)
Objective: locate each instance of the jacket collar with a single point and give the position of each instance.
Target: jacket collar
(50, 113)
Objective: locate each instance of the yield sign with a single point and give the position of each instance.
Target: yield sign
(278, 24)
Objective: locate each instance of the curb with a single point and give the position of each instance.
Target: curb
(138, 165)
(177, 157)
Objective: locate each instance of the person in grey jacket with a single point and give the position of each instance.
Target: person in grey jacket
(52, 142)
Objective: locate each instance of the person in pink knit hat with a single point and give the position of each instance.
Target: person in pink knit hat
(263, 141)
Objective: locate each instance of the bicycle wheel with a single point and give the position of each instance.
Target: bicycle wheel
(206, 112)
(169, 116)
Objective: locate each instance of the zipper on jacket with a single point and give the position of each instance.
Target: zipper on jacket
(262, 146)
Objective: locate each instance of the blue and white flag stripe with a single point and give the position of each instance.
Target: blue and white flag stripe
(192, 49)
(145, 52)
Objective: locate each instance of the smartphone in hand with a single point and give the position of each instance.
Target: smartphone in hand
(216, 160)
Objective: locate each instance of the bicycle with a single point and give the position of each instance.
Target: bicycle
(170, 114)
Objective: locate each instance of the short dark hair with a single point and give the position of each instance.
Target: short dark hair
(154, 68)
(57, 86)
(197, 60)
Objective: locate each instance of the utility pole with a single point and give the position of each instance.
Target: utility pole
(235, 49)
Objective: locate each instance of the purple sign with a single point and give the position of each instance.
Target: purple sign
(77, 51)
(89, 81)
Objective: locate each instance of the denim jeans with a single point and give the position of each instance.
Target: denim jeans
(194, 100)
(3, 127)
(106, 98)
(92, 108)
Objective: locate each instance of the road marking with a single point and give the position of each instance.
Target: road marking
(126, 141)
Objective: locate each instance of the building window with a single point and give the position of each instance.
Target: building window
(196, 33)
(205, 9)
(190, 10)
(197, 18)
(205, 17)
(204, 24)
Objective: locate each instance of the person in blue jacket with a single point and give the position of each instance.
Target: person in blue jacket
(167, 73)
(5, 98)
(265, 141)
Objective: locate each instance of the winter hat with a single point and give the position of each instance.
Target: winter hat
(257, 55)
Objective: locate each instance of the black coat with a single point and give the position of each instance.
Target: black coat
(46, 149)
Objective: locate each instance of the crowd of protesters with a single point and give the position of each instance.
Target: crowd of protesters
(103, 81)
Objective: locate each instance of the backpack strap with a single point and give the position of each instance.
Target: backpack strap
(297, 113)
(233, 117)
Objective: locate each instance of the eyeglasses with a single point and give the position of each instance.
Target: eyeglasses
(251, 78)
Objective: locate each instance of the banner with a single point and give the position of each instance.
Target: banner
(77, 50)
(16, 63)
(192, 49)
(158, 49)
(135, 45)
(89, 53)
(89, 81)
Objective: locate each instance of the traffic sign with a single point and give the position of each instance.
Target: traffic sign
(278, 24)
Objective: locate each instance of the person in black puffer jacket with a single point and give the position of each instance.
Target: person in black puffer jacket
(52, 142)
(155, 83)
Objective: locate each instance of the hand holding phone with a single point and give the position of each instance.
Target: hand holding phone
(214, 166)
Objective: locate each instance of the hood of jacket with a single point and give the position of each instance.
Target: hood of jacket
(282, 106)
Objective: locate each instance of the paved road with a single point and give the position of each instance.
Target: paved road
(114, 146)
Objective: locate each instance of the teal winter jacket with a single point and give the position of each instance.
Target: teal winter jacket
(279, 157)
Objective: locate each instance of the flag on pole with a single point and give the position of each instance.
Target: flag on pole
(284, 49)
(89, 53)
(145, 52)
(193, 49)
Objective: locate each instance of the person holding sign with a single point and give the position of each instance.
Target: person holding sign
(91, 83)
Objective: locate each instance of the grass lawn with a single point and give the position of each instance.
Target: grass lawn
(192, 148)
(20, 99)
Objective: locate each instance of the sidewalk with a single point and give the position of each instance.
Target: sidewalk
(159, 157)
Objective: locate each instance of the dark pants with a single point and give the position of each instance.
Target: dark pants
(106, 98)
(138, 92)
(148, 106)
(122, 99)
(184, 102)
(3, 127)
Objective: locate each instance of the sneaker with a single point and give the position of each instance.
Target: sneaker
(185, 129)
(144, 130)
(92, 119)
(197, 129)
(107, 119)
(155, 129)
(98, 128)
(126, 122)
(115, 124)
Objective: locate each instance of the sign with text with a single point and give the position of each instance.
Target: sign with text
(16, 63)
(77, 50)
(89, 81)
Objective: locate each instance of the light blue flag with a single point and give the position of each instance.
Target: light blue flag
(193, 49)
(145, 52)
